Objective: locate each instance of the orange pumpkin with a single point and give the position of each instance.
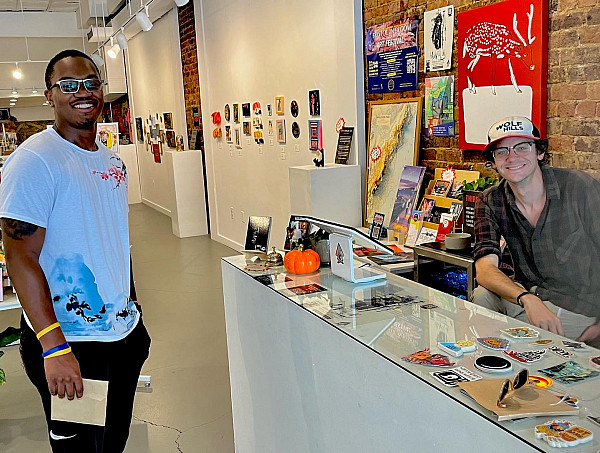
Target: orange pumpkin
(300, 261)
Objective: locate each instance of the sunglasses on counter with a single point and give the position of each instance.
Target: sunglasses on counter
(70, 86)
(509, 386)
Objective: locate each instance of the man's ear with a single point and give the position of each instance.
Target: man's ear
(541, 156)
(48, 94)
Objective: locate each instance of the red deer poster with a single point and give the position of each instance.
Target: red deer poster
(502, 66)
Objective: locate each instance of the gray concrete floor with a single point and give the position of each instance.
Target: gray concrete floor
(188, 406)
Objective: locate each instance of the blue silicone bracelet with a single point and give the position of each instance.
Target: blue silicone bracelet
(60, 347)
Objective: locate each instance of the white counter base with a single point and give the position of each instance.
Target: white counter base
(301, 385)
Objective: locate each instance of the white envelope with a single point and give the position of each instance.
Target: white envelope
(89, 409)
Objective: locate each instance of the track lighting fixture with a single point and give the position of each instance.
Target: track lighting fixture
(144, 20)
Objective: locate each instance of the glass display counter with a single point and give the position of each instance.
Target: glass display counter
(316, 365)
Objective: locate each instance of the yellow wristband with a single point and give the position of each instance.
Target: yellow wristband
(50, 328)
(58, 353)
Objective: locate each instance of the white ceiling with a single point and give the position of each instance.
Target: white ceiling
(40, 5)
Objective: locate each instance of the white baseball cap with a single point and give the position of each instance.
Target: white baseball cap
(512, 126)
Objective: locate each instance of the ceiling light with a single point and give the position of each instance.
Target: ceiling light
(34, 91)
(17, 74)
(143, 20)
(14, 91)
(12, 104)
(46, 103)
(113, 51)
(181, 2)
(98, 60)
(13, 100)
(122, 40)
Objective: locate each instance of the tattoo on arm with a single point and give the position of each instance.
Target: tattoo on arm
(17, 229)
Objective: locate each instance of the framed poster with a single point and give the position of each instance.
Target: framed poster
(279, 105)
(394, 131)
(168, 120)
(108, 135)
(392, 56)
(439, 37)
(139, 128)
(280, 126)
(510, 79)
(439, 106)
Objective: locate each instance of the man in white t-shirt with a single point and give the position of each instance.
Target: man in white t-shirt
(63, 210)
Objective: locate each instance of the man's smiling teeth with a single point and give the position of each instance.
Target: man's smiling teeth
(83, 106)
(513, 167)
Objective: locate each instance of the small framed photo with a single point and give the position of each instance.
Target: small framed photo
(269, 110)
(238, 137)
(246, 126)
(280, 126)
(236, 113)
(279, 106)
(228, 136)
(168, 120)
(270, 127)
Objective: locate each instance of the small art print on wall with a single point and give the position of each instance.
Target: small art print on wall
(168, 119)
(314, 103)
(280, 126)
(279, 105)
(236, 113)
(246, 109)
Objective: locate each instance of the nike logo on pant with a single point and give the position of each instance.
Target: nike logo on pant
(58, 437)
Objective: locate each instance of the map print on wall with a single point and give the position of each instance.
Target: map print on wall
(502, 66)
(439, 37)
(439, 106)
(394, 131)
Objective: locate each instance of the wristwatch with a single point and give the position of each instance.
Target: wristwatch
(519, 303)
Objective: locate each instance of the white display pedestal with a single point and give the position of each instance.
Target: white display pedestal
(331, 192)
(129, 155)
(188, 213)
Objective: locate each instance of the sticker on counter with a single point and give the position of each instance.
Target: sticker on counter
(595, 361)
(425, 357)
(562, 352)
(574, 345)
(451, 377)
(526, 356)
(521, 332)
(541, 382)
(569, 372)
(458, 348)
(541, 342)
(563, 433)
(495, 343)
(311, 288)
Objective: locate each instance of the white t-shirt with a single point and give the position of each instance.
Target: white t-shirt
(80, 198)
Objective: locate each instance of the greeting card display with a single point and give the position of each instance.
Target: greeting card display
(315, 131)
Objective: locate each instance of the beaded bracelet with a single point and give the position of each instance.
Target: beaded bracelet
(60, 347)
(44, 331)
(58, 353)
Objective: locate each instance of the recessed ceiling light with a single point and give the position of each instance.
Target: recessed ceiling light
(14, 91)
(13, 100)
(17, 74)
(12, 104)
(34, 91)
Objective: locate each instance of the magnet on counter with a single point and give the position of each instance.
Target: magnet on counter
(495, 343)
(458, 348)
(562, 433)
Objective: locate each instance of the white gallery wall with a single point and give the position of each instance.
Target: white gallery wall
(254, 51)
(156, 86)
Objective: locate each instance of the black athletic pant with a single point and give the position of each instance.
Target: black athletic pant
(118, 362)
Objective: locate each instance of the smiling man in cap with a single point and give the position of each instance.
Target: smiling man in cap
(548, 218)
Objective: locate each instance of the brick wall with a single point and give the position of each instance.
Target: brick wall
(189, 64)
(573, 83)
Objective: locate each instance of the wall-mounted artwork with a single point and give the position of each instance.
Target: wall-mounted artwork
(228, 135)
(438, 37)
(256, 108)
(439, 106)
(280, 126)
(295, 129)
(294, 108)
(394, 131)
(139, 129)
(227, 113)
(238, 137)
(269, 110)
(392, 55)
(168, 118)
(270, 127)
(315, 133)
(108, 135)
(236, 113)
(314, 103)
(246, 109)
(246, 127)
(502, 67)
(170, 138)
(279, 100)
